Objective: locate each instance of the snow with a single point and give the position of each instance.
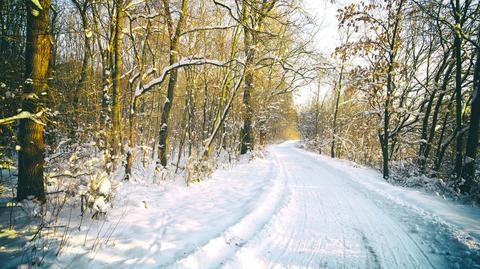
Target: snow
(100, 205)
(105, 187)
(292, 209)
(23, 115)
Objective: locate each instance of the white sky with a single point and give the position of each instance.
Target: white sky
(325, 13)
(325, 40)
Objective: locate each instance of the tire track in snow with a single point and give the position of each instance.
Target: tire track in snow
(408, 219)
(217, 250)
(371, 251)
(394, 226)
(440, 244)
(197, 245)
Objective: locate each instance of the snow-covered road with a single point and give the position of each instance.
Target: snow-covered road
(293, 209)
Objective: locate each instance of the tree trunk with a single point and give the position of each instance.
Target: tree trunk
(246, 133)
(116, 102)
(53, 53)
(457, 44)
(103, 119)
(37, 58)
(164, 136)
(458, 106)
(390, 89)
(131, 136)
(337, 102)
(184, 127)
(335, 114)
(317, 112)
(441, 146)
(384, 138)
(472, 142)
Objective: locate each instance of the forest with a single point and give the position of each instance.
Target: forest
(99, 95)
(136, 82)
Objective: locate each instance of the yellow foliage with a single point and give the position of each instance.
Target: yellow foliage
(291, 133)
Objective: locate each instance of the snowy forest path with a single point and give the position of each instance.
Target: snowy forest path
(291, 209)
(329, 222)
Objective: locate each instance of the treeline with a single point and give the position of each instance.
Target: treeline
(136, 82)
(404, 92)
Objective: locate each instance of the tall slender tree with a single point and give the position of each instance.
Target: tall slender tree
(116, 78)
(174, 33)
(457, 47)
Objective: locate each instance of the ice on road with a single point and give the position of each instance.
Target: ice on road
(293, 209)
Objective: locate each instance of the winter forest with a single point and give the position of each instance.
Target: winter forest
(239, 134)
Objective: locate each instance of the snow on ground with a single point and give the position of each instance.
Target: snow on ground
(293, 209)
(174, 225)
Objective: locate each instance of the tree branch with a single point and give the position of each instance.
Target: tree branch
(141, 89)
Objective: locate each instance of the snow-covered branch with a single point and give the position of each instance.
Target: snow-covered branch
(132, 4)
(208, 28)
(23, 115)
(141, 89)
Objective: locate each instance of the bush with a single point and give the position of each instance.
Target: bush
(197, 169)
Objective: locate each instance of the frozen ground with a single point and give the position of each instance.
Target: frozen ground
(293, 209)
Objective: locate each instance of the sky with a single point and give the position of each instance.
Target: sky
(324, 12)
(326, 39)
